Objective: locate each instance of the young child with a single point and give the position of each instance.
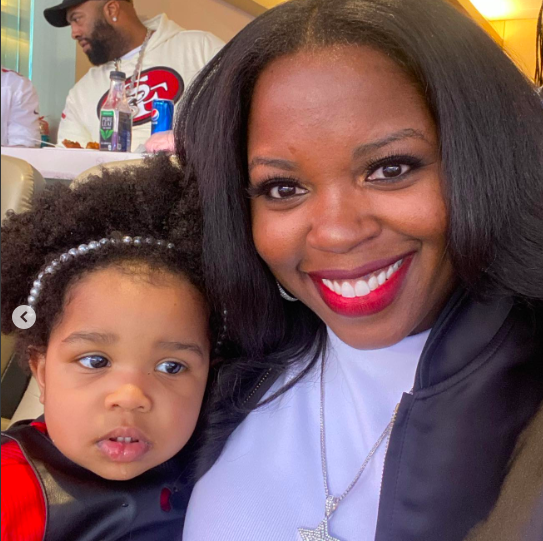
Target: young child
(120, 350)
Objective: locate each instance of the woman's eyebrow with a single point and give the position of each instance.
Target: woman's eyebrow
(286, 165)
(408, 133)
(271, 162)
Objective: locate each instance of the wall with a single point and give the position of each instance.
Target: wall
(216, 16)
(52, 80)
(519, 37)
(257, 7)
(17, 19)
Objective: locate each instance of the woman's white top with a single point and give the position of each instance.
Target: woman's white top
(268, 481)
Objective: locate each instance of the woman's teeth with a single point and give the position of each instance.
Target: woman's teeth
(124, 440)
(363, 286)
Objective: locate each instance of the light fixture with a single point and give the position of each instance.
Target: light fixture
(495, 9)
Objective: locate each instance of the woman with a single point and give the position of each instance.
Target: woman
(370, 172)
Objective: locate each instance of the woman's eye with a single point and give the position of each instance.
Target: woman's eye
(284, 191)
(391, 171)
(276, 189)
(170, 367)
(94, 362)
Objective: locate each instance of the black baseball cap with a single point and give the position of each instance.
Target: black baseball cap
(56, 15)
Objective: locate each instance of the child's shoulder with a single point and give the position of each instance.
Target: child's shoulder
(17, 473)
(12, 454)
(23, 506)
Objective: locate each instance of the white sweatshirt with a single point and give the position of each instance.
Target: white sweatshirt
(20, 117)
(268, 480)
(172, 59)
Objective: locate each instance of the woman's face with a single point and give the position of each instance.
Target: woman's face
(347, 202)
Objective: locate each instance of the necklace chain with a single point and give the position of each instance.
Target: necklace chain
(135, 79)
(331, 501)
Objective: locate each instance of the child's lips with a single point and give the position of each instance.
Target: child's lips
(118, 451)
(124, 444)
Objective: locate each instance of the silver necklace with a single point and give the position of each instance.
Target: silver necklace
(135, 79)
(321, 533)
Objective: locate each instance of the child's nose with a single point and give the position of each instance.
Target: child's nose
(129, 397)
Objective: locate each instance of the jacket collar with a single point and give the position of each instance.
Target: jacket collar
(461, 333)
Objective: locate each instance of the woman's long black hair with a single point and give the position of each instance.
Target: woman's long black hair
(490, 124)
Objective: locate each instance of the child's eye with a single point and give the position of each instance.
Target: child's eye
(94, 362)
(170, 367)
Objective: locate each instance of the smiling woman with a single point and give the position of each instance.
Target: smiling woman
(363, 158)
(354, 222)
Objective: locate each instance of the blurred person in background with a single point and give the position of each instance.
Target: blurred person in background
(20, 117)
(159, 58)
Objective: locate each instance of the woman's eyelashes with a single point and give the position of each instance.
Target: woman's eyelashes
(276, 189)
(389, 170)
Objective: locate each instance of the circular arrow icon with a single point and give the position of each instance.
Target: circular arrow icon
(24, 316)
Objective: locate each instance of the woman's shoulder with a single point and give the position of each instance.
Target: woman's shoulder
(518, 513)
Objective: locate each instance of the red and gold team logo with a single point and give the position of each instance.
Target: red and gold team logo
(155, 83)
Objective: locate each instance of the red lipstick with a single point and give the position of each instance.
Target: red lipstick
(372, 303)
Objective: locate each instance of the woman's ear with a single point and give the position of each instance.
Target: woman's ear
(37, 365)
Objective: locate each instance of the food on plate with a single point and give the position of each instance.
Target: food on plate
(71, 144)
(92, 145)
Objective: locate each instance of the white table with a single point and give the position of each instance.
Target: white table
(66, 163)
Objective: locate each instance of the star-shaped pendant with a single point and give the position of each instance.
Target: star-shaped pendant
(319, 534)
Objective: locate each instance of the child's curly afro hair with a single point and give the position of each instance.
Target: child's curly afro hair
(151, 200)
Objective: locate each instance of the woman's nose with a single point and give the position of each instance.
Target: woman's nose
(129, 397)
(341, 222)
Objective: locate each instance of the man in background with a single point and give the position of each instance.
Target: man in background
(20, 117)
(159, 58)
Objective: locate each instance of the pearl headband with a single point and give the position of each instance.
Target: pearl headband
(83, 249)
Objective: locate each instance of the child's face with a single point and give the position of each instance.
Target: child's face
(129, 359)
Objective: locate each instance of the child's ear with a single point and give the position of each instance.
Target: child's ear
(37, 365)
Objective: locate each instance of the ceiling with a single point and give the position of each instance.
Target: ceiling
(508, 9)
(490, 9)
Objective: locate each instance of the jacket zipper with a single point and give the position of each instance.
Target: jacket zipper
(393, 421)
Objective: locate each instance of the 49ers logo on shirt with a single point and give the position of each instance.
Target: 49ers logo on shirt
(155, 83)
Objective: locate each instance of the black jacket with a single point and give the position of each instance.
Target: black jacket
(478, 383)
(518, 514)
(81, 506)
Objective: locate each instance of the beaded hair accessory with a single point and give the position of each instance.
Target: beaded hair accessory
(83, 249)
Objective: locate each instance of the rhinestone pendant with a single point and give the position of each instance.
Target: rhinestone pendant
(321, 532)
